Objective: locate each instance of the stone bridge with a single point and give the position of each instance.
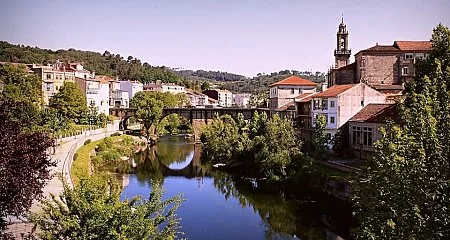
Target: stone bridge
(200, 116)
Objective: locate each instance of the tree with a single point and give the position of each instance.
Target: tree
(93, 210)
(403, 192)
(19, 85)
(173, 122)
(149, 109)
(205, 86)
(70, 102)
(320, 139)
(24, 163)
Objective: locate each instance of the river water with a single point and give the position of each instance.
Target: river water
(220, 206)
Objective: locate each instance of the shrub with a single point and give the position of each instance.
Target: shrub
(87, 142)
(76, 155)
(116, 134)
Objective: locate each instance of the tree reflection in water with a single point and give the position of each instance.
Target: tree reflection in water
(282, 214)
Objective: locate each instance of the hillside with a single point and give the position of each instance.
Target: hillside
(133, 69)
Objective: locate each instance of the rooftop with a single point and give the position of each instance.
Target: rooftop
(289, 105)
(294, 81)
(104, 78)
(334, 91)
(414, 45)
(377, 113)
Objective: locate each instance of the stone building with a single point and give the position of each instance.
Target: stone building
(383, 67)
(286, 90)
(364, 127)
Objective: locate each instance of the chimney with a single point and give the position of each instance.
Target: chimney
(324, 86)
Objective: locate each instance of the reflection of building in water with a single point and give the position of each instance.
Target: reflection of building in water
(125, 180)
(200, 182)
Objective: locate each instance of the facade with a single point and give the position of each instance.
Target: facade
(96, 93)
(79, 70)
(119, 99)
(53, 78)
(164, 87)
(383, 67)
(286, 90)
(224, 97)
(303, 115)
(197, 99)
(132, 87)
(364, 127)
(241, 99)
(341, 102)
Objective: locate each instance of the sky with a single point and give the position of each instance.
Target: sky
(238, 36)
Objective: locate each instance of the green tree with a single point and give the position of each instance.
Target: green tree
(320, 139)
(205, 86)
(93, 210)
(173, 122)
(70, 102)
(19, 85)
(149, 109)
(403, 193)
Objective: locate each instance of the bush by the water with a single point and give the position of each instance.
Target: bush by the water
(87, 142)
(262, 147)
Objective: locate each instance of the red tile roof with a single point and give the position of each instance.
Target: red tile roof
(334, 91)
(377, 113)
(286, 106)
(381, 48)
(294, 80)
(104, 78)
(413, 45)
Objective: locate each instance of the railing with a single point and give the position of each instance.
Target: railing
(343, 52)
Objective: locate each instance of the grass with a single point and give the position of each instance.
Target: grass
(81, 162)
(327, 171)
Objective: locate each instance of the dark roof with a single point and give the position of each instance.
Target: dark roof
(334, 91)
(377, 113)
(387, 87)
(348, 67)
(294, 80)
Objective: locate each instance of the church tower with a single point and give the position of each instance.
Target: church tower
(342, 52)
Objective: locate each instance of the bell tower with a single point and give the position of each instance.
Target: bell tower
(342, 52)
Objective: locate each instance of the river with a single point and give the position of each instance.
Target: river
(220, 206)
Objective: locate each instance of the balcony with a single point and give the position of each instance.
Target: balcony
(342, 52)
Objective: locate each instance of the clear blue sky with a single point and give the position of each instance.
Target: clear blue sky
(239, 36)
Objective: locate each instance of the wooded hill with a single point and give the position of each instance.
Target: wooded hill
(131, 68)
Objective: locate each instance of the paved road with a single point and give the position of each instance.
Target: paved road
(63, 156)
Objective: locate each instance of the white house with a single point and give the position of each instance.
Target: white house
(96, 93)
(119, 99)
(164, 87)
(132, 87)
(241, 99)
(341, 102)
(224, 97)
(286, 90)
(197, 99)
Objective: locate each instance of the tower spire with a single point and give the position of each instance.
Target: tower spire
(342, 18)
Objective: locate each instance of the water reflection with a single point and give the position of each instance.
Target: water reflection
(220, 206)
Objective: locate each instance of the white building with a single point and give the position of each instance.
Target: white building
(164, 87)
(79, 70)
(224, 97)
(96, 93)
(132, 87)
(241, 99)
(341, 102)
(197, 99)
(119, 99)
(286, 90)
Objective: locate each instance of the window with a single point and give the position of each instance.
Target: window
(405, 71)
(316, 104)
(367, 136)
(409, 56)
(331, 104)
(292, 91)
(420, 55)
(332, 119)
(356, 135)
(324, 104)
(362, 103)
(49, 76)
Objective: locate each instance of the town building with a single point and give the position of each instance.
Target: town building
(224, 97)
(304, 116)
(96, 93)
(285, 91)
(132, 87)
(383, 67)
(158, 86)
(119, 99)
(79, 70)
(53, 78)
(197, 99)
(364, 127)
(341, 102)
(241, 99)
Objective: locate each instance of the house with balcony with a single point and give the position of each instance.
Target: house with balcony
(119, 99)
(286, 90)
(364, 127)
(96, 93)
(53, 78)
(339, 103)
(304, 116)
